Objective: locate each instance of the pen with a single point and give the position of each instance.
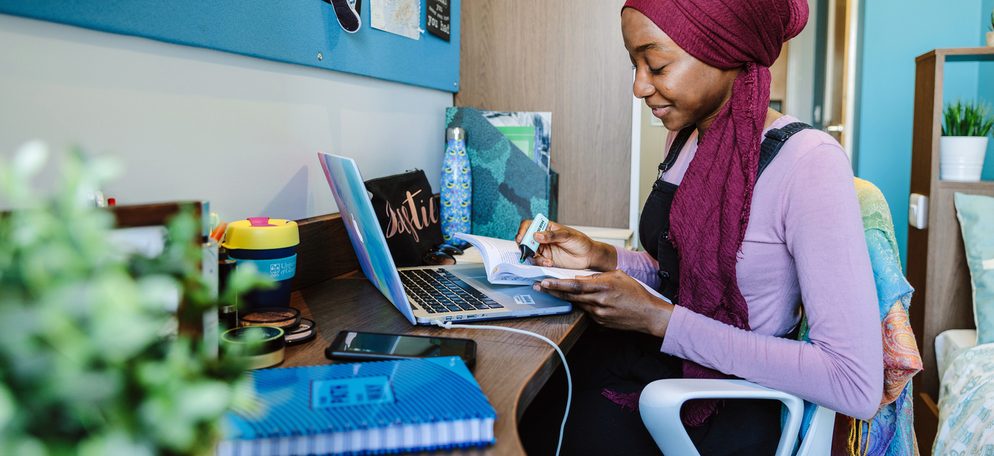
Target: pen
(218, 232)
(528, 243)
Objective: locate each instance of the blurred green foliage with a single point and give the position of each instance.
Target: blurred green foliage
(89, 360)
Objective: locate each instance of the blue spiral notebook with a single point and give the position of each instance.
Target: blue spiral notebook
(362, 408)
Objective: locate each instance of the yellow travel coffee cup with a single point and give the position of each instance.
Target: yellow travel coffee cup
(269, 246)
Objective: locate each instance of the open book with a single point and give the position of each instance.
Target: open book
(500, 258)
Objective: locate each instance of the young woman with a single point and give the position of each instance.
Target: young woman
(736, 251)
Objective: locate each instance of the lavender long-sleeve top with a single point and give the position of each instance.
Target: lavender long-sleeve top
(804, 243)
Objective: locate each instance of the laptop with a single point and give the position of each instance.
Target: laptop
(424, 294)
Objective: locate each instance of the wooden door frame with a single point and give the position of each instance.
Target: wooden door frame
(850, 64)
(634, 192)
(849, 90)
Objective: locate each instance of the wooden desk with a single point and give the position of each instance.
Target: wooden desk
(510, 368)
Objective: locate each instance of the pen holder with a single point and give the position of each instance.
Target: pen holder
(270, 247)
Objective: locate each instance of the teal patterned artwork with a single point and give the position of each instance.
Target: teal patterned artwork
(508, 186)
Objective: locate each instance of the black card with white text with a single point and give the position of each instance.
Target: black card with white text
(437, 19)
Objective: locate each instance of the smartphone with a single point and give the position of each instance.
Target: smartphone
(368, 346)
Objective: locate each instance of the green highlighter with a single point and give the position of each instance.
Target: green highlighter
(528, 243)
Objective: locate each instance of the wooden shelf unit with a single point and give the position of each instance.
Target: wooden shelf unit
(936, 262)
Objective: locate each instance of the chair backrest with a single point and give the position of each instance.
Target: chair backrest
(660, 402)
(817, 440)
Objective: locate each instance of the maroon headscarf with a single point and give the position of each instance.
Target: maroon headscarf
(711, 206)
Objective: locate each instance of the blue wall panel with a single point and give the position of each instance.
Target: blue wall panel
(293, 31)
(894, 33)
(985, 84)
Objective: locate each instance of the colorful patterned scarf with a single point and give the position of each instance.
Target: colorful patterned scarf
(891, 431)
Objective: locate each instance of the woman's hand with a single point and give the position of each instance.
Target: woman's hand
(564, 247)
(613, 299)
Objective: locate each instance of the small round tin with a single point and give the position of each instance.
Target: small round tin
(286, 318)
(304, 332)
(260, 346)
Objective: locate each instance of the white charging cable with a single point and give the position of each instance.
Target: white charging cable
(569, 379)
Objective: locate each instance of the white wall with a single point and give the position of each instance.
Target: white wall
(652, 152)
(801, 69)
(190, 123)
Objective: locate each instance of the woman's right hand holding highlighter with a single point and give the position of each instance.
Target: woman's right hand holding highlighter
(564, 247)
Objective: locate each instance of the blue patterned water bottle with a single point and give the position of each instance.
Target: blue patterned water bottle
(457, 187)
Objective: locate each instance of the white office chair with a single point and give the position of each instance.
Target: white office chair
(661, 400)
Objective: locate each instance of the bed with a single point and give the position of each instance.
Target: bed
(965, 369)
(950, 343)
(966, 394)
(937, 268)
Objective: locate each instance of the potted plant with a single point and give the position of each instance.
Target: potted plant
(964, 141)
(84, 365)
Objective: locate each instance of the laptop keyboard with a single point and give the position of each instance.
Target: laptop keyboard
(439, 291)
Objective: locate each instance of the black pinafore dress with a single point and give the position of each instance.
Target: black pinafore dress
(654, 223)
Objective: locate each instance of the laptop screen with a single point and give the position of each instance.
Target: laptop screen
(364, 229)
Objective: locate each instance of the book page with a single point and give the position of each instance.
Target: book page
(494, 251)
(522, 274)
(501, 260)
(525, 274)
(562, 273)
(654, 292)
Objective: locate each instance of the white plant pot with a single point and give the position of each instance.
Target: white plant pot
(961, 158)
(990, 39)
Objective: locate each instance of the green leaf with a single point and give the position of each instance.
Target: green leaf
(30, 159)
(242, 280)
(6, 408)
(204, 400)
(967, 119)
(116, 443)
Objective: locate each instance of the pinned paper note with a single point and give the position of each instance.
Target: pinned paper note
(401, 17)
(988, 264)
